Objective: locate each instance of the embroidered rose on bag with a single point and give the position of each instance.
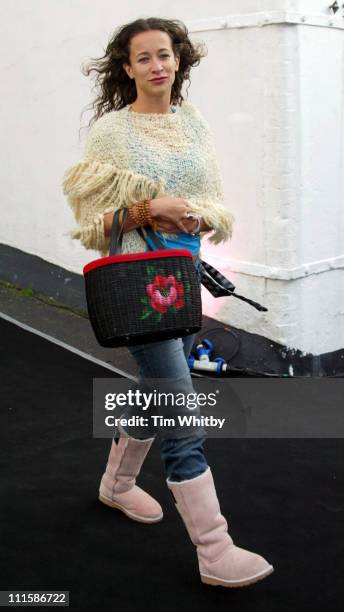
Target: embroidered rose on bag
(164, 293)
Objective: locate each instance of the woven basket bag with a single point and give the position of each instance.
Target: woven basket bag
(142, 297)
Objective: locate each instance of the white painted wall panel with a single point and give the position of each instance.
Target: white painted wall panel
(271, 88)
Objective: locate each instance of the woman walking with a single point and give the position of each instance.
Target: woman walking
(150, 151)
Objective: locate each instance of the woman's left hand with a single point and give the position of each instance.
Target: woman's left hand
(170, 228)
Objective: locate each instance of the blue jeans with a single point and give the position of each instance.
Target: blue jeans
(183, 457)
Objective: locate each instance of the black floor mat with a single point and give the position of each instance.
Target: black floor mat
(282, 498)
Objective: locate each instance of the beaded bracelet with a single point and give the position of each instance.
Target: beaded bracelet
(148, 212)
(140, 212)
(135, 213)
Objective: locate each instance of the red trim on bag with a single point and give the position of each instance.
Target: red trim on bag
(110, 259)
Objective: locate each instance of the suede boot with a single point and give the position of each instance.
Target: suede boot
(118, 489)
(220, 561)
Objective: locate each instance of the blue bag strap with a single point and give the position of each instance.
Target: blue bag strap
(147, 231)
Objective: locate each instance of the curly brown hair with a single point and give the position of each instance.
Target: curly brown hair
(112, 83)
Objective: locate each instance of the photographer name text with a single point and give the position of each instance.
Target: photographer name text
(160, 421)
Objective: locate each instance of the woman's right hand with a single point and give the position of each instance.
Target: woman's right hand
(170, 211)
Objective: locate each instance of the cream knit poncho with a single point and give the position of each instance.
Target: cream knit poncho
(132, 156)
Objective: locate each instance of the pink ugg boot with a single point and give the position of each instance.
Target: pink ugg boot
(220, 561)
(118, 489)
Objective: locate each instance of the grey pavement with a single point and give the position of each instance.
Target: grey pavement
(63, 324)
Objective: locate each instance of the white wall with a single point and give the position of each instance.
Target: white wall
(272, 89)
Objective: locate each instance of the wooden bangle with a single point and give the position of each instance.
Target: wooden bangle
(140, 213)
(135, 214)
